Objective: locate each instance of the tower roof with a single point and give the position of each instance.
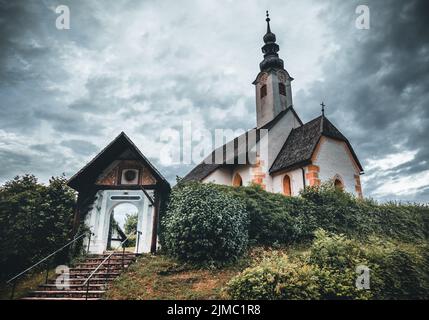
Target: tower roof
(270, 49)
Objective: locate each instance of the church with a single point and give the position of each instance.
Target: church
(285, 154)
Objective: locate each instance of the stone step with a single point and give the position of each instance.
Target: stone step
(98, 284)
(97, 274)
(114, 257)
(113, 268)
(67, 293)
(75, 287)
(77, 281)
(111, 262)
(58, 299)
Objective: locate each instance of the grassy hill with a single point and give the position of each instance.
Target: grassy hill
(158, 277)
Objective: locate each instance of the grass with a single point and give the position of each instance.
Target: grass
(158, 277)
(24, 285)
(161, 278)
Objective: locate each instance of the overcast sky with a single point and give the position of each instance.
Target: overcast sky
(144, 66)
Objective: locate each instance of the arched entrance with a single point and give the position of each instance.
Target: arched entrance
(123, 225)
(114, 205)
(287, 191)
(338, 183)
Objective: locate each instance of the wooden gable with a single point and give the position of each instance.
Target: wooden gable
(106, 169)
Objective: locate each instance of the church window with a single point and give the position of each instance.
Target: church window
(338, 184)
(263, 91)
(237, 181)
(282, 89)
(286, 186)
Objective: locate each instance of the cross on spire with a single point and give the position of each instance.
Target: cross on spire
(323, 108)
(268, 22)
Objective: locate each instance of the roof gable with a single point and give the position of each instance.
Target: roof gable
(208, 166)
(121, 148)
(301, 144)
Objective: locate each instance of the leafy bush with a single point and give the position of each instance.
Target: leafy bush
(278, 278)
(275, 277)
(400, 271)
(328, 271)
(338, 257)
(35, 220)
(204, 225)
(276, 219)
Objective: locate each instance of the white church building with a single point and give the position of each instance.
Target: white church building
(282, 154)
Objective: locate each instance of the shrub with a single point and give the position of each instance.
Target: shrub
(276, 219)
(338, 257)
(274, 278)
(401, 272)
(204, 225)
(35, 220)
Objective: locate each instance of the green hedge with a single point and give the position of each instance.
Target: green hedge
(276, 219)
(204, 225)
(328, 271)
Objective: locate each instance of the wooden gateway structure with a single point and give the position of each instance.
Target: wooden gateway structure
(119, 174)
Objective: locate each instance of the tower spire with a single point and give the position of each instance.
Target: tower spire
(270, 49)
(268, 22)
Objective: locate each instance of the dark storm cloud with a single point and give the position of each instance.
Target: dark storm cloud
(378, 82)
(80, 146)
(145, 66)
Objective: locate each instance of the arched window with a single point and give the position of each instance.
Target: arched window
(338, 184)
(282, 89)
(263, 91)
(237, 181)
(286, 186)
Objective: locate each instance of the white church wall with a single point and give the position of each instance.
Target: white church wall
(333, 159)
(278, 134)
(220, 176)
(245, 173)
(296, 181)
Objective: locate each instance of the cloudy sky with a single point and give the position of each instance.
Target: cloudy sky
(146, 66)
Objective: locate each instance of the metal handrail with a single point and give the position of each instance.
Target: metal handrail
(87, 281)
(14, 278)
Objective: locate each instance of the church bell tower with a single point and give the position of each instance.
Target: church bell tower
(273, 83)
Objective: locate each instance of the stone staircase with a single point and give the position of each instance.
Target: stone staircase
(76, 290)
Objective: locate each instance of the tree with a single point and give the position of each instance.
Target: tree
(35, 220)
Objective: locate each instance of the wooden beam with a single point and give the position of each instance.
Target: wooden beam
(155, 222)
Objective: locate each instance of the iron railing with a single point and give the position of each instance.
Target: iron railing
(13, 281)
(88, 280)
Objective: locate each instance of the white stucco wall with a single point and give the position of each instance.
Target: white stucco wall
(245, 172)
(220, 176)
(278, 134)
(333, 159)
(296, 181)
